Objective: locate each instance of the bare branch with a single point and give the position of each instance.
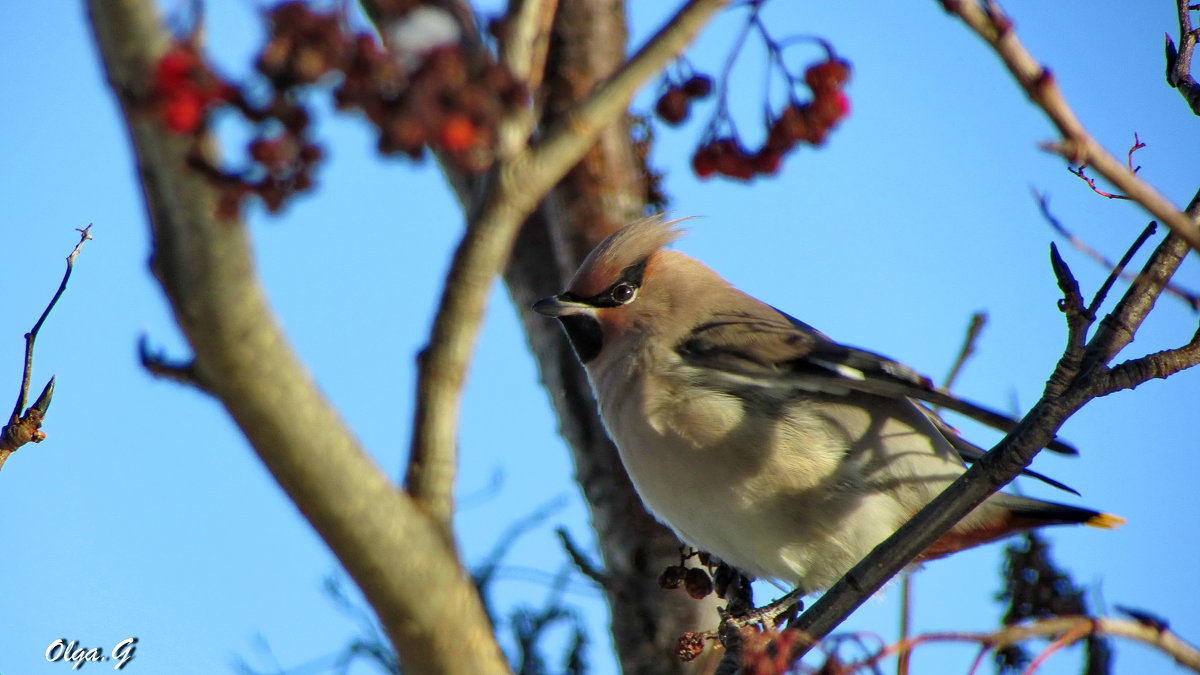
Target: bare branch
(26, 427)
(1192, 299)
(513, 190)
(31, 336)
(523, 48)
(1118, 270)
(1116, 330)
(1179, 61)
(401, 559)
(1077, 145)
(1076, 380)
(974, 330)
(581, 561)
(1063, 630)
(1158, 365)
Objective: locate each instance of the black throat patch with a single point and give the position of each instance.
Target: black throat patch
(584, 333)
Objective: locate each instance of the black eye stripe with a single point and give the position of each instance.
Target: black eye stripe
(630, 279)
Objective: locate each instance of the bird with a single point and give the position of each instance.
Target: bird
(757, 438)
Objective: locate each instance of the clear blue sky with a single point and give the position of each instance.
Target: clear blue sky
(145, 513)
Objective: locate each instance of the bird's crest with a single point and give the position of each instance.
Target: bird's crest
(627, 246)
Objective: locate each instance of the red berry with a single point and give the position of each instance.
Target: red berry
(827, 75)
(703, 162)
(174, 69)
(768, 160)
(843, 104)
(457, 133)
(183, 112)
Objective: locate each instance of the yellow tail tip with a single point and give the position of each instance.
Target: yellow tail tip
(1106, 521)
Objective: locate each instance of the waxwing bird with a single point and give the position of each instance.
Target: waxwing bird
(756, 437)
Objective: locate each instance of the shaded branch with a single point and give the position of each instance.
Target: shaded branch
(512, 190)
(580, 559)
(25, 425)
(1077, 145)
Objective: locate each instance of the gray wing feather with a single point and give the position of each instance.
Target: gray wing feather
(773, 349)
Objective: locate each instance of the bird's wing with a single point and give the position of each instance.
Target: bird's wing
(770, 349)
(973, 453)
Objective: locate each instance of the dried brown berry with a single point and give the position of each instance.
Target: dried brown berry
(672, 577)
(697, 583)
(672, 106)
(698, 86)
(689, 646)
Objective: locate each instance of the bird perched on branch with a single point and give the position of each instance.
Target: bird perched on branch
(756, 437)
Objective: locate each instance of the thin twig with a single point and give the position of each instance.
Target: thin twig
(974, 330)
(31, 336)
(581, 560)
(1118, 270)
(1068, 638)
(1137, 145)
(1072, 628)
(1077, 145)
(513, 191)
(1191, 298)
(24, 426)
(1091, 182)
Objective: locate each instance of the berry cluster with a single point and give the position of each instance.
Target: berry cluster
(799, 122)
(447, 103)
(422, 97)
(675, 103)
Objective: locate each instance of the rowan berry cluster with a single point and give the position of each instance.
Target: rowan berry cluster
(433, 97)
(799, 122)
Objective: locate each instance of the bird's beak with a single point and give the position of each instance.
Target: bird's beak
(558, 306)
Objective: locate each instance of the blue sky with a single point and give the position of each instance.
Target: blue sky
(145, 513)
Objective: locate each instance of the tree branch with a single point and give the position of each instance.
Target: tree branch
(1078, 378)
(1077, 145)
(26, 428)
(1179, 61)
(523, 48)
(1073, 628)
(399, 558)
(513, 189)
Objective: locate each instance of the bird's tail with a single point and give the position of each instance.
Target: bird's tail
(1035, 513)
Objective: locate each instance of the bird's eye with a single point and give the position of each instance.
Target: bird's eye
(623, 293)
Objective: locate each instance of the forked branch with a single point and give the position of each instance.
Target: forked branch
(513, 189)
(25, 425)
